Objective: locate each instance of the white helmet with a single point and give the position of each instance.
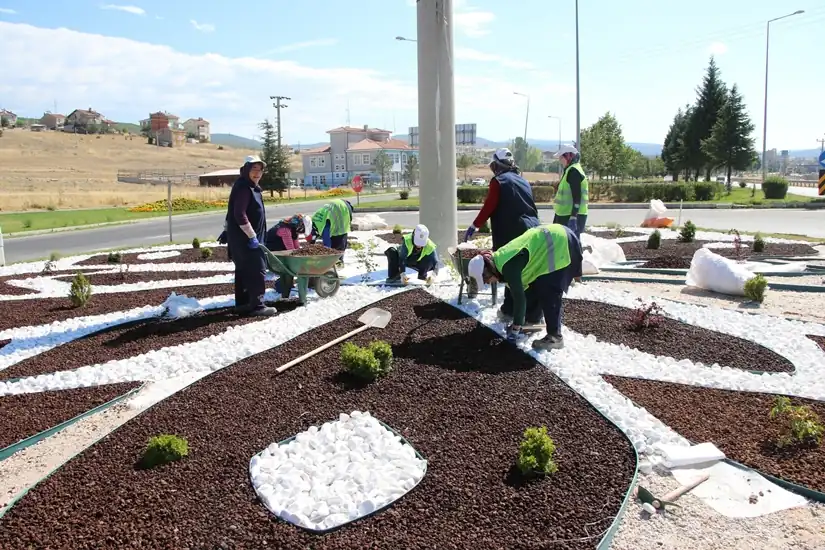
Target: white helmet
(475, 269)
(420, 235)
(566, 149)
(503, 156)
(307, 226)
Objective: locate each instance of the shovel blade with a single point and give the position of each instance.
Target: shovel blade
(375, 317)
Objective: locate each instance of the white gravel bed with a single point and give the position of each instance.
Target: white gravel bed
(347, 469)
(158, 255)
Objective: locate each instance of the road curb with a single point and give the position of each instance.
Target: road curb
(626, 206)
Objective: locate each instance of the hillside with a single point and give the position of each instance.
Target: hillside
(238, 142)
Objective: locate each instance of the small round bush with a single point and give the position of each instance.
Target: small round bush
(113, 258)
(163, 449)
(81, 290)
(383, 352)
(536, 453)
(688, 232)
(404, 194)
(360, 362)
(196, 243)
(654, 241)
(206, 253)
(755, 288)
(397, 229)
(758, 243)
(743, 184)
(775, 187)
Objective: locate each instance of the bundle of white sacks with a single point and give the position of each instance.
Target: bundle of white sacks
(345, 470)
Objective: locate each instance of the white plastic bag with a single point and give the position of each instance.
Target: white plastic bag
(713, 272)
(604, 251)
(589, 266)
(657, 215)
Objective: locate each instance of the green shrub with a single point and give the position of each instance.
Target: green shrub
(536, 453)
(397, 229)
(196, 243)
(113, 258)
(543, 193)
(688, 232)
(799, 424)
(80, 291)
(163, 449)
(206, 253)
(54, 256)
(755, 288)
(743, 184)
(775, 187)
(365, 363)
(598, 190)
(404, 194)
(355, 245)
(654, 241)
(485, 227)
(758, 243)
(471, 195)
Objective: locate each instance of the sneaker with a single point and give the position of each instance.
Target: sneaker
(549, 342)
(393, 280)
(263, 312)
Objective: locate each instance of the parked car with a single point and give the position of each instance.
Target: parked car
(479, 181)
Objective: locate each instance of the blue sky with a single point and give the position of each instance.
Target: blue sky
(640, 59)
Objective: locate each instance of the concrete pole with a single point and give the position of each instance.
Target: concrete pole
(436, 122)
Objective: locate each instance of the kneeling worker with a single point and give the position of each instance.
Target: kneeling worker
(332, 223)
(544, 259)
(416, 251)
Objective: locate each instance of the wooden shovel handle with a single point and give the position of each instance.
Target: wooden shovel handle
(318, 350)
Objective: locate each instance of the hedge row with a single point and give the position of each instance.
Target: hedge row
(618, 192)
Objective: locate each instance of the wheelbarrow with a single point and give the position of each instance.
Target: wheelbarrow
(461, 265)
(320, 270)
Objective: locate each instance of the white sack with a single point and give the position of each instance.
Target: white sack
(657, 210)
(368, 222)
(605, 251)
(713, 272)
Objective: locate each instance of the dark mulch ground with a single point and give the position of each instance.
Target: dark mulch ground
(736, 422)
(820, 340)
(4, 343)
(131, 277)
(187, 255)
(131, 339)
(469, 253)
(461, 395)
(667, 262)
(614, 233)
(30, 413)
(316, 250)
(11, 290)
(396, 238)
(672, 338)
(24, 313)
(638, 250)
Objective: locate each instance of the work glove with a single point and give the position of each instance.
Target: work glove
(573, 224)
(222, 238)
(515, 334)
(253, 243)
(469, 233)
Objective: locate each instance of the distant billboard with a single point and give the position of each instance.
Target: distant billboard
(465, 134)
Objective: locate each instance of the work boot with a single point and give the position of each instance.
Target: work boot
(549, 342)
(394, 280)
(263, 312)
(504, 317)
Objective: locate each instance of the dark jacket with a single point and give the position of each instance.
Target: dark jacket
(516, 211)
(246, 205)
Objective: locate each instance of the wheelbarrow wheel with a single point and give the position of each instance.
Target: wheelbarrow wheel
(327, 284)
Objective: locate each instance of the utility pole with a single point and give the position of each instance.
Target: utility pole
(278, 106)
(821, 144)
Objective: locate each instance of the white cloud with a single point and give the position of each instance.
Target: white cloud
(7, 11)
(303, 45)
(128, 9)
(470, 54)
(203, 27)
(718, 48)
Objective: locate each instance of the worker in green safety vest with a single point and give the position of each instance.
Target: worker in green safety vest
(572, 195)
(545, 260)
(416, 251)
(331, 223)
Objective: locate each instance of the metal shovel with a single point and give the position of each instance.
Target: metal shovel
(374, 317)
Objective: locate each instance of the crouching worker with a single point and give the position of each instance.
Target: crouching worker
(545, 260)
(416, 251)
(287, 235)
(331, 223)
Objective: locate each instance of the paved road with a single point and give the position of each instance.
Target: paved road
(802, 222)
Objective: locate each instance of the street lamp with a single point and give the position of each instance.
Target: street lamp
(578, 94)
(559, 142)
(765, 114)
(527, 116)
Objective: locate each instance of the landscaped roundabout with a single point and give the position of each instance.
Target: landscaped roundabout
(144, 413)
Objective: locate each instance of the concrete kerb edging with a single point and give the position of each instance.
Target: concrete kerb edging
(773, 286)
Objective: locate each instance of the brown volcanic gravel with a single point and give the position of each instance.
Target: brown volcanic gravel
(469, 253)
(395, 238)
(28, 414)
(316, 250)
(672, 338)
(820, 340)
(43, 311)
(11, 290)
(615, 234)
(667, 262)
(638, 250)
(461, 396)
(736, 422)
(131, 339)
(4, 343)
(131, 277)
(187, 255)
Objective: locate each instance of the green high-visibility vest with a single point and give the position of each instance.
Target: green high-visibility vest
(426, 250)
(339, 217)
(563, 203)
(547, 247)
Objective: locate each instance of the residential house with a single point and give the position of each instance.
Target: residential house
(10, 117)
(166, 128)
(52, 121)
(81, 118)
(351, 152)
(197, 127)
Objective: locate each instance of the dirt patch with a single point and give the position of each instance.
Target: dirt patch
(316, 250)
(187, 255)
(397, 238)
(28, 414)
(130, 277)
(469, 253)
(736, 422)
(667, 262)
(638, 250)
(132, 339)
(671, 338)
(24, 313)
(458, 393)
(615, 233)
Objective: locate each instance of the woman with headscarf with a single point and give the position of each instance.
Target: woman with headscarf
(287, 235)
(245, 228)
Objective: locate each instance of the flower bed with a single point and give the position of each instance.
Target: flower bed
(667, 262)
(130, 277)
(187, 255)
(457, 392)
(614, 233)
(736, 422)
